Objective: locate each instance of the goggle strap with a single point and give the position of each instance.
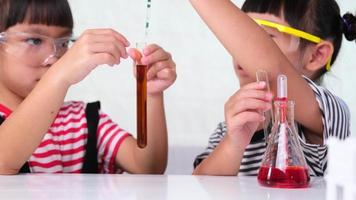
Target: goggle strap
(289, 30)
(328, 65)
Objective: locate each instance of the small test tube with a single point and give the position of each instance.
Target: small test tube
(262, 76)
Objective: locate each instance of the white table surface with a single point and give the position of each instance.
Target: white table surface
(77, 186)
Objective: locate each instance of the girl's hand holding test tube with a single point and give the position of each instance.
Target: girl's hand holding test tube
(155, 71)
(161, 68)
(244, 112)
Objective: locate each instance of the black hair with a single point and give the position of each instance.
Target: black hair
(318, 17)
(349, 27)
(47, 12)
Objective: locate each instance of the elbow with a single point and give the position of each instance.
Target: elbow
(155, 166)
(160, 170)
(6, 170)
(147, 171)
(199, 171)
(157, 169)
(153, 169)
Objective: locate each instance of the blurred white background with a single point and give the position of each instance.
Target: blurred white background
(195, 103)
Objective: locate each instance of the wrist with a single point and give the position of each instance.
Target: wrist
(56, 75)
(158, 95)
(234, 143)
(56, 78)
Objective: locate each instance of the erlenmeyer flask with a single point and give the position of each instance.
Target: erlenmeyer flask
(284, 165)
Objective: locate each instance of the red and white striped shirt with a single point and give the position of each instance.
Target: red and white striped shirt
(62, 148)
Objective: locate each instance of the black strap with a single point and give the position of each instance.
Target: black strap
(90, 164)
(25, 168)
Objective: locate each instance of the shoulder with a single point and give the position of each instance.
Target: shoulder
(78, 105)
(70, 105)
(335, 112)
(70, 111)
(326, 98)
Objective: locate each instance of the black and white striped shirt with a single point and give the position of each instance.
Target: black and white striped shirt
(336, 121)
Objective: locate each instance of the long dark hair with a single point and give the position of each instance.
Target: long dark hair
(319, 17)
(48, 12)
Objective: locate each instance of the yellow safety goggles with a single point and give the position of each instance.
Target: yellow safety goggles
(294, 32)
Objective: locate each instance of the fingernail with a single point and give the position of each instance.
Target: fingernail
(262, 83)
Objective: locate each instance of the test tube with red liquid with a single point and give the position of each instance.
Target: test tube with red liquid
(141, 98)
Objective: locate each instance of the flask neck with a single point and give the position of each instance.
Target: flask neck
(284, 112)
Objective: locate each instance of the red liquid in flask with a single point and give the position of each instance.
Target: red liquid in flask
(292, 177)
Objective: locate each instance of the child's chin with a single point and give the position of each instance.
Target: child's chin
(245, 80)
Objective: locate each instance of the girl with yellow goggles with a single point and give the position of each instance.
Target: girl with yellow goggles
(238, 144)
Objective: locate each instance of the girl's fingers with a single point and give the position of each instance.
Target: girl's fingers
(255, 86)
(102, 58)
(247, 105)
(251, 93)
(106, 36)
(150, 49)
(112, 32)
(155, 56)
(107, 48)
(134, 54)
(166, 74)
(244, 118)
(157, 67)
(109, 39)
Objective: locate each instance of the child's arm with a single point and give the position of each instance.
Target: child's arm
(242, 116)
(153, 158)
(24, 129)
(246, 41)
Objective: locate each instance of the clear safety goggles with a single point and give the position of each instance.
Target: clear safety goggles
(293, 43)
(34, 49)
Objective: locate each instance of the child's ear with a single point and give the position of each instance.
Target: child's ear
(320, 56)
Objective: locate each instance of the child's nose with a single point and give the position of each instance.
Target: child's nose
(50, 60)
